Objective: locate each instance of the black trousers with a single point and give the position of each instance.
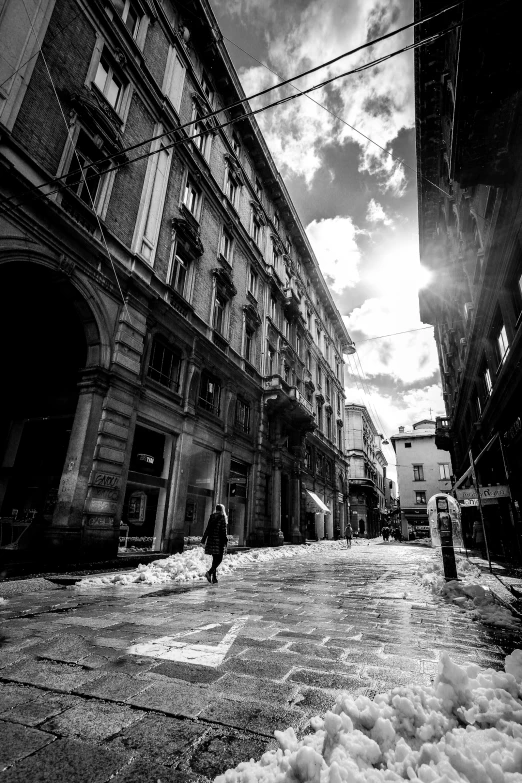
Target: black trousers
(216, 561)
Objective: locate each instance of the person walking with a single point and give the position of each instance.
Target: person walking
(215, 540)
(478, 537)
(348, 532)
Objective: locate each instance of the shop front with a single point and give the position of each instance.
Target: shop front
(201, 500)
(144, 510)
(238, 494)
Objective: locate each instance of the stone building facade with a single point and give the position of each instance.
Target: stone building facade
(366, 471)
(469, 152)
(168, 337)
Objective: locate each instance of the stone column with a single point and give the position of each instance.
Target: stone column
(64, 535)
(295, 514)
(275, 527)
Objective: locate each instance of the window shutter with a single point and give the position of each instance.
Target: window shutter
(174, 78)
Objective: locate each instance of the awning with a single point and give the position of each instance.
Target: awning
(320, 507)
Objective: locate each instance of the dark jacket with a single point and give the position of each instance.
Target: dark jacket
(215, 535)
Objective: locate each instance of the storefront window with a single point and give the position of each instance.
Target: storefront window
(144, 507)
(200, 495)
(237, 502)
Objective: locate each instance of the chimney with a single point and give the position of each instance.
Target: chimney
(401, 429)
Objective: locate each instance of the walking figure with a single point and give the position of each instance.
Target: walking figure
(215, 540)
(348, 532)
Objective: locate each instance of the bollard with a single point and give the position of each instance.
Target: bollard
(446, 538)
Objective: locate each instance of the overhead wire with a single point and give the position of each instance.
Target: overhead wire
(69, 135)
(393, 334)
(281, 101)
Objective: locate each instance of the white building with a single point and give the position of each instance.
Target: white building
(422, 470)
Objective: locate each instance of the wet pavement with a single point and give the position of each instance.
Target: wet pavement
(178, 683)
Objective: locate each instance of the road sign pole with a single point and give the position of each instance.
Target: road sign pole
(475, 482)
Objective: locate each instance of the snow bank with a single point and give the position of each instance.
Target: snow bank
(192, 564)
(466, 727)
(467, 593)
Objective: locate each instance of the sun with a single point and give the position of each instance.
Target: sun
(423, 277)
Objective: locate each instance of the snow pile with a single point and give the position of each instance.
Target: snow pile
(193, 563)
(469, 595)
(466, 727)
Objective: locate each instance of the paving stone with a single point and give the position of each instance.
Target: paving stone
(274, 669)
(189, 672)
(316, 650)
(238, 686)
(11, 695)
(159, 738)
(315, 701)
(328, 680)
(49, 674)
(66, 761)
(16, 742)
(92, 720)
(35, 712)
(224, 750)
(117, 687)
(254, 716)
(174, 698)
(144, 772)
(69, 648)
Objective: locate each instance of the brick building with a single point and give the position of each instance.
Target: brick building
(366, 471)
(469, 151)
(168, 337)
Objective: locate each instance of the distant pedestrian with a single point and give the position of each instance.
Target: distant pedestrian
(348, 533)
(215, 540)
(478, 538)
(385, 533)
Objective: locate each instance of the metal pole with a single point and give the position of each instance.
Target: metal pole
(474, 477)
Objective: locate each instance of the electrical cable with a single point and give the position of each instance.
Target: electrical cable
(69, 134)
(250, 113)
(393, 334)
(356, 355)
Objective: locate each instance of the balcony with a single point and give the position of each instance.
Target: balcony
(443, 438)
(281, 398)
(292, 303)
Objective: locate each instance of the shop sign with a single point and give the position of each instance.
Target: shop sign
(148, 458)
(99, 521)
(107, 493)
(495, 491)
(108, 480)
(470, 502)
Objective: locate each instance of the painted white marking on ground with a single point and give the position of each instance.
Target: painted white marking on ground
(168, 648)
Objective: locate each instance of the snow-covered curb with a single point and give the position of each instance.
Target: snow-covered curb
(192, 564)
(467, 593)
(466, 727)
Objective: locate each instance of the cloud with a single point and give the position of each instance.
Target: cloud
(378, 101)
(334, 241)
(376, 214)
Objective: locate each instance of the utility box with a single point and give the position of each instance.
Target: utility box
(445, 530)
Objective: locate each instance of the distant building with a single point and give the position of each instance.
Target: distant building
(366, 471)
(422, 470)
(390, 494)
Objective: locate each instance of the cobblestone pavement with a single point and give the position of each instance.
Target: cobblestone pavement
(177, 683)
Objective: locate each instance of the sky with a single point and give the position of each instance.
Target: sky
(358, 203)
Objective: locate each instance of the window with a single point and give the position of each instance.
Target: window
(276, 256)
(329, 426)
(252, 282)
(208, 92)
(340, 438)
(418, 472)
(502, 342)
(220, 306)
(273, 309)
(174, 78)
(200, 134)
(109, 83)
(164, 365)
(271, 360)
(258, 189)
(209, 393)
(151, 209)
(242, 415)
(231, 187)
(276, 221)
(444, 471)
(420, 498)
(179, 280)
(298, 344)
(256, 230)
(517, 294)
(486, 377)
(130, 15)
(338, 404)
(319, 416)
(309, 320)
(226, 246)
(407, 445)
(236, 145)
(327, 386)
(319, 376)
(191, 197)
(286, 372)
(308, 361)
(286, 325)
(86, 185)
(249, 344)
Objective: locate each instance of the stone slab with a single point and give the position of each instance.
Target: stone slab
(254, 716)
(92, 720)
(159, 738)
(173, 698)
(16, 742)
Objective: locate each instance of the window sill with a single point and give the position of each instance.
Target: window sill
(173, 395)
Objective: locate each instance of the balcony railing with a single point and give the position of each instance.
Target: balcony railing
(275, 383)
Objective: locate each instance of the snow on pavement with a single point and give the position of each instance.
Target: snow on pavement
(193, 563)
(466, 727)
(467, 593)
